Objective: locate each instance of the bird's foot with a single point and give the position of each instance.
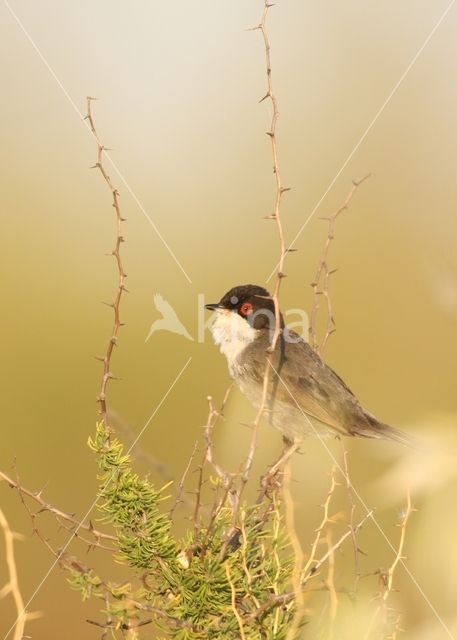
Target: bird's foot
(272, 479)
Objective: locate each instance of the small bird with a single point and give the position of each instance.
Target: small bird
(305, 396)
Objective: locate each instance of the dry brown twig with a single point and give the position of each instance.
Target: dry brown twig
(61, 516)
(320, 284)
(226, 479)
(214, 415)
(329, 583)
(352, 509)
(326, 519)
(116, 253)
(313, 570)
(179, 492)
(234, 607)
(246, 466)
(298, 554)
(391, 617)
(279, 600)
(12, 586)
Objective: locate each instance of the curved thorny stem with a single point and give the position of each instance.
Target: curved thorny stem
(320, 284)
(276, 217)
(116, 252)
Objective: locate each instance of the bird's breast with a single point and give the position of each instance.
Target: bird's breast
(232, 334)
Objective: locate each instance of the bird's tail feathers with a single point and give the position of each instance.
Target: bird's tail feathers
(385, 431)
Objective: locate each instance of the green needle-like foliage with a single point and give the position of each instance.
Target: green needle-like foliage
(208, 585)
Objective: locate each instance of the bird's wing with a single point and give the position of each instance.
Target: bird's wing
(306, 381)
(310, 399)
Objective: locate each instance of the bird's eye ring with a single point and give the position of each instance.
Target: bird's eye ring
(246, 309)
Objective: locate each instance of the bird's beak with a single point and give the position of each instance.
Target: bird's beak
(212, 307)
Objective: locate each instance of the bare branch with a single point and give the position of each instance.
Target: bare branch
(234, 607)
(298, 556)
(329, 581)
(324, 522)
(284, 598)
(320, 284)
(391, 617)
(12, 586)
(246, 466)
(180, 489)
(315, 568)
(58, 513)
(116, 253)
(352, 505)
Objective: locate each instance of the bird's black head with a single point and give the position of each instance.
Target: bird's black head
(251, 302)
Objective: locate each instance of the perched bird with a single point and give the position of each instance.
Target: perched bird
(305, 396)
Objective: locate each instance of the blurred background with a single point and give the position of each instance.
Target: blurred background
(178, 87)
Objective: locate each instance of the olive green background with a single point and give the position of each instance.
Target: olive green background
(178, 86)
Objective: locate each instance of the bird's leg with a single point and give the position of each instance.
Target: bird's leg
(273, 477)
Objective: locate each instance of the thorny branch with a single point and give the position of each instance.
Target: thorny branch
(107, 590)
(320, 284)
(116, 252)
(61, 516)
(315, 568)
(234, 606)
(284, 598)
(276, 217)
(329, 582)
(298, 554)
(391, 617)
(12, 586)
(352, 504)
(226, 478)
(326, 519)
(180, 489)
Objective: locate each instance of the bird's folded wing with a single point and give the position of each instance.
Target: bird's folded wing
(309, 400)
(306, 381)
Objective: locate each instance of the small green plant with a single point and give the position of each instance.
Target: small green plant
(192, 590)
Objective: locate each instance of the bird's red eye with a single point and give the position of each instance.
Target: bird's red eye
(246, 309)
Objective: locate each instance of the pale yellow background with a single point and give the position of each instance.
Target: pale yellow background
(179, 84)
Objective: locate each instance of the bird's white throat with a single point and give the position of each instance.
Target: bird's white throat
(232, 334)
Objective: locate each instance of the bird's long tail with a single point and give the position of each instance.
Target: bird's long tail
(382, 430)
